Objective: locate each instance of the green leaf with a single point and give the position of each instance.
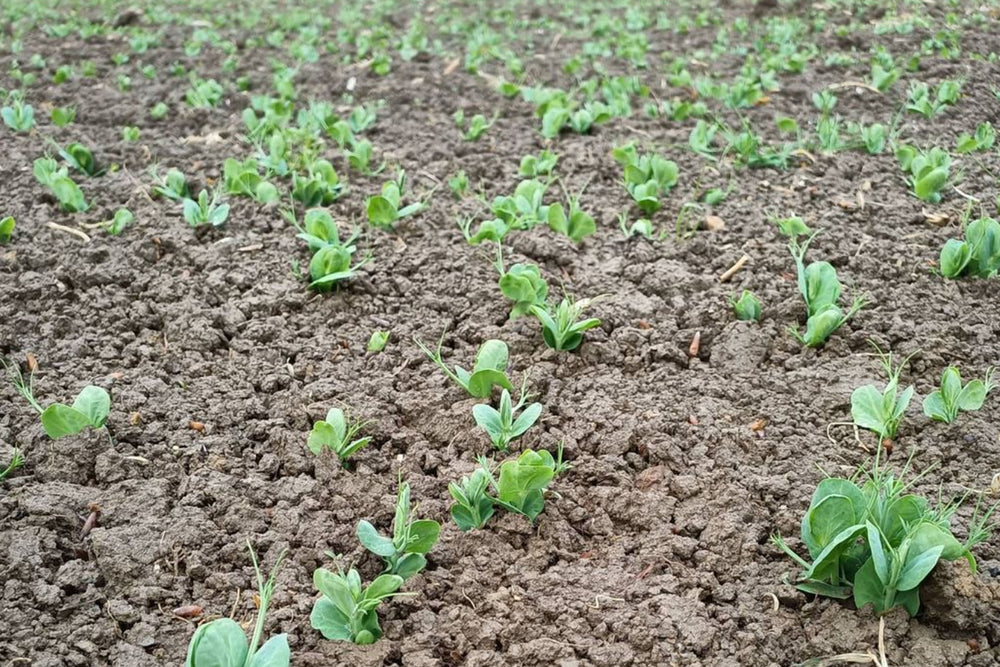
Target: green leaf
(423, 536)
(330, 621)
(481, 383)
(383, 586)
(336, 588)
(822, 286)
(6, 230)
(322, 436)
(972, 396)
(868, 589)
(381, 212)
(488, 419)
(866, 409)
(274, 653)
(929, 535)
(95, 403)
(371, 540)
(524, 421)
(935, 408)
(879, 559)
(410, 565)
(61, 420)
(220, 643)
(927, 187)
(918, 565)
(828, 519)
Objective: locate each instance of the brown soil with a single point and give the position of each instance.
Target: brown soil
(654, 552)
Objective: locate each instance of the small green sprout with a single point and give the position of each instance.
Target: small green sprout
(524, 480)
(881, 411)
(874, 137)
(405, 552)
(336, 433)
(561, 328)
(321, 187)
(172, 186)
(378, 341)
(17, 115)
(117, 224)
(62, 116)
(541, 165)
(921, 100)
(928, 172)
(347, 611)
(523, 284)
(243, 178)
(502, 426)
(57, 179)
(476, 127)
(747, 307)
(6, 229)
(473, 507)
(203, 93)
(205, 210)
(331, 264)
(977, 255)
(577, 224)
(642, 227)
(159, 111)
(223, 642)
(982, 140)
(488, 370)
(384, 209)
(459, 184)
(80, 157)
(130, 134)
(359, 157)
(944, 404)
(647, 177)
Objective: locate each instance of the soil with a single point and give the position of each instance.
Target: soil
(655, 549)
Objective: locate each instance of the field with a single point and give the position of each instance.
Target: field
(689, 437)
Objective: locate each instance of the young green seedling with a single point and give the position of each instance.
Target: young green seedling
(928, 172)
(384, 209)
(172, 186)
(90, 409)
(80, 158)
(523, 284)
(6, 229)
(488, 369)
(336, 433)
(62, 116)
(472, 507)
(876, 542)
(459, 184)
(882, 411)
(541, 165)
(243, 178)
(222, 642)
(320, 188)
(501, 425)
(117, 224)
(747, 307)
(378, 341)
(205, 210)
(982, 140)
(347, 611)
(561, 328)
(577, 224)
(647, 177)
(405, 553)
(945, 403)
(820, 288)
(56, 178)
(18, 116)
(476, 127)
(978, 255)
(524, 480)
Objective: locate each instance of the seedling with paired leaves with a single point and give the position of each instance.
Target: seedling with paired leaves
(405, 552)
(875, 542)
(6, 229)
(332, 258)
(348, 611)
(80, 157)
(320, 187)
(577, 224)
(222, 642)
(337, 434)
(820, 288)
(172, 186)
(952, 397)
(378, 341)
(57, 180)
(562, 328)
(473, 507)
(510, 421)
(747, 307)
(523, 284)
(647, 177)
(927, 171)
(243, 178)
(205, 210)
(982, 140)
(90, 409)
(475, 127)
(386, 208)
(524, 480)
(488, 369)
(921, 100)
(977, 255)
(17, 115)
(882, 411)
(541, 165)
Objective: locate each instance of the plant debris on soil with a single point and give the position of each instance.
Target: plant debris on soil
(692, 436)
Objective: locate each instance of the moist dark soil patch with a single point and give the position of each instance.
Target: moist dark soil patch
(656, 549)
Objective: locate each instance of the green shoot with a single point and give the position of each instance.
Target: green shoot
(336, 434)
(405, 553)
(952, 397)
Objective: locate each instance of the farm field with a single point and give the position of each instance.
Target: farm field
(712, 271)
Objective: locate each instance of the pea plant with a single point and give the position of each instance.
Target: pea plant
(510, 421)
(523, 284)
(405, 552)
(90, 408)
(927, 172)
(881, 411)
(347, 610)
(80, 158)
(205, 210)
(747, 306)
(977, 255)
(475, 127)
(473, 506)
(57, 180)
(385, 209)
(333, 259)
(173, 185)
(647, 177)
(337, 434)
(16, 114)
(870, 540)
(921, 100)
(222, 642)
(575, 223)
(562, 328)
(543, 164)
(952, 397)
(488, 370)
(6, 229)
(820, 288)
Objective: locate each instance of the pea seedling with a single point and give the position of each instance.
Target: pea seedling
(384, 209)
(882, 411)
(524, 480)
(17, 115)
(821, 290)
(647, 177)
(944, 404)
(6, 229)
(488, 369)
(501, 425)
(348, 611)
(475, 127)
(978, 255)
(90, 409)
(561, 328)
(472, 507)
(523, 284)
(405, 553)
(56, 178)
(928, 172)
(205, 210)
(80, 157)
(223, 642)
(336, 433)
(172, 186)
(747, 307)
(378, 341)
(877, 543)
(541, 165)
